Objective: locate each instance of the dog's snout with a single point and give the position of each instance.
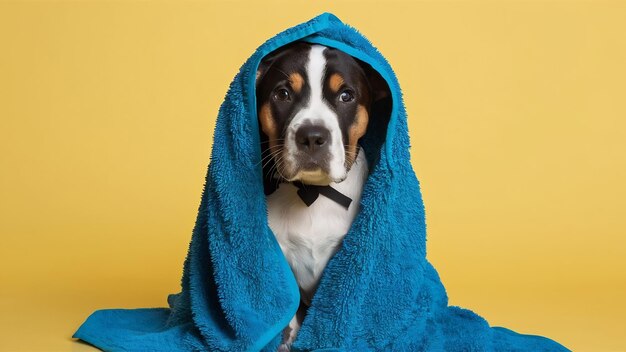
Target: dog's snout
(312, 137)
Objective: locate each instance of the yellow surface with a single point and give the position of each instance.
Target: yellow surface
(517, 117)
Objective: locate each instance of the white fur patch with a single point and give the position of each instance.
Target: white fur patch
(310, 236)
(317, 112)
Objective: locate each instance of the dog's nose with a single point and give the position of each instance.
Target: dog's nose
(312, 138)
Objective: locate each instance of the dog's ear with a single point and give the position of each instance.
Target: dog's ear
(266, 62)
(378, 85)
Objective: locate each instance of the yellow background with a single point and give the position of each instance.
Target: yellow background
(517, 116)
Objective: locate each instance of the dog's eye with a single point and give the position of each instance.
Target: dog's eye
(346, 96)
(282, 94)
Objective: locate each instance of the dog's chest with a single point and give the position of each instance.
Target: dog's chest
(310, 236)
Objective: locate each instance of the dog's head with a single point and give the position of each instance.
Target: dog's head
(313, 105)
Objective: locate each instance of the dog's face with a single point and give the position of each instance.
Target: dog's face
(313, 104)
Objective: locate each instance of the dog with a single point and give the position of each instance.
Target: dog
(313, 106)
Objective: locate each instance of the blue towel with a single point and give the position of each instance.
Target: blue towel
(378, 293)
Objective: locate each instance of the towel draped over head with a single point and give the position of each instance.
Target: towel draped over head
(378, 293)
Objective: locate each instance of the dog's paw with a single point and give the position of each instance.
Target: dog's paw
(284, 347)
(290, 332)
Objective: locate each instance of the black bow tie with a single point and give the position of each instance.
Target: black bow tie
(309, 193)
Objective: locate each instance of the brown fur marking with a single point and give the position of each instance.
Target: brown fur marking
(335, 81)
(268, 125)
(296, 81)
(357, 130)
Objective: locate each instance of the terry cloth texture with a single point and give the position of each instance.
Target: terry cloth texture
(378, 293)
